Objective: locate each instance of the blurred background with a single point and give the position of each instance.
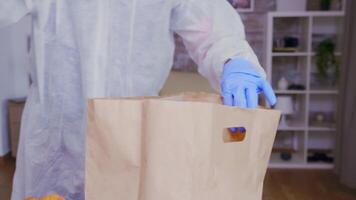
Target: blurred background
(308, 50)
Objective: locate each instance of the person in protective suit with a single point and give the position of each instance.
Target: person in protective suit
(110, 48)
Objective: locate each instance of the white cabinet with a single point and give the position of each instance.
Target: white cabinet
(311, 127)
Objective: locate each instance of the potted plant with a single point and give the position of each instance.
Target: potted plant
(328, 67)
(325, 4)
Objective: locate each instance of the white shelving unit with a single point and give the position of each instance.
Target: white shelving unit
(304, 135)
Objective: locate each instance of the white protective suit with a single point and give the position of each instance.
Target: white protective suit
(105, 48)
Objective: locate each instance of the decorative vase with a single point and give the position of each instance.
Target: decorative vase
(331, 75)
(283, 84)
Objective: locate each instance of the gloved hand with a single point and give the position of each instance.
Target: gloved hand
(241, 84)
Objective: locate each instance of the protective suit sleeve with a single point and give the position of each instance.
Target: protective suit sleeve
(11, 11)
(212, 32)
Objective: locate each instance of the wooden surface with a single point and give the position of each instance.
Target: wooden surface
(305, 185)
(4, 159)
(7, 169)
(279, 184)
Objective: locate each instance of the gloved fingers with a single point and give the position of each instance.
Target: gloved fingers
(240, 97)
(252, 97)
(239, 101)
(227, 99)
(234, 130)
(268, 92)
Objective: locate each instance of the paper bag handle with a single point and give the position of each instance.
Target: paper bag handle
(234, 118)
(236, 136)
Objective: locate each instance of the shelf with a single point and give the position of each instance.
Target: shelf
(291, 67)
(323, 92)
(289, 54)
(314, 92)
(322, 127)
(283, 150)
(297, 162)
(327, 151)
(290, 91)
(300, 166)
(299, 66)
(336, 54)
(308, 14)
(315, 128)
(297, 54)
(319, 165)
(294, 122)
(292, 128)
(277, 162)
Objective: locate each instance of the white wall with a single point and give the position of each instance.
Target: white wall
(14, 62)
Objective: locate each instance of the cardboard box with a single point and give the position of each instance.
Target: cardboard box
(15, 108)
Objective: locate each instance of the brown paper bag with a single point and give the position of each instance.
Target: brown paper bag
(176, 148)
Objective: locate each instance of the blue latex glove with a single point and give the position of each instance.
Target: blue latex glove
(241, 84)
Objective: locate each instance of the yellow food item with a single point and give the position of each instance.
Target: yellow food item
(52, 197)
(49, 197)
